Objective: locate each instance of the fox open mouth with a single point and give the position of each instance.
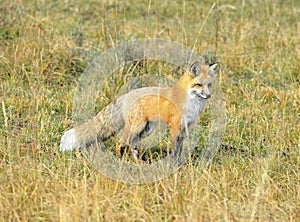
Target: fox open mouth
(202, 96)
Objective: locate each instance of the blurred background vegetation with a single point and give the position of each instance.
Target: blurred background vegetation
(46, 45)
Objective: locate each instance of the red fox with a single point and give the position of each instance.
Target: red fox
(138, 112)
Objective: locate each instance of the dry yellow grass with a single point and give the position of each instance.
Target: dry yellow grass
(44, 47)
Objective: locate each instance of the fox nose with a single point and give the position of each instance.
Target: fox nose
(208, 96)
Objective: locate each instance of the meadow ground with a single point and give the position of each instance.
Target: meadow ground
(44, 48)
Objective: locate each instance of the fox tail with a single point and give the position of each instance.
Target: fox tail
(79, 136)
(104, 125)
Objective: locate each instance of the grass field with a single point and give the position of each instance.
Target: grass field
(46, 45)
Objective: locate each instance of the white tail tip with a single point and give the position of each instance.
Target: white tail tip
(68, 141)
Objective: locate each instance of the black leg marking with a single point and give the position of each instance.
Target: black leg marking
(178, 148)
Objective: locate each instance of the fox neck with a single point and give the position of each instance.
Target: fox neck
(180, 92)
(191, 106)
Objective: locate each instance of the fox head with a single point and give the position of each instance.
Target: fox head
(198, 81)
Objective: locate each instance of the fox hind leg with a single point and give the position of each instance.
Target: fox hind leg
(132, 143)
(131, 136)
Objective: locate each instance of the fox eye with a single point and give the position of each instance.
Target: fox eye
(198, 85)
(209, 85)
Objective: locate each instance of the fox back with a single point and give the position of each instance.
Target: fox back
(137, 113)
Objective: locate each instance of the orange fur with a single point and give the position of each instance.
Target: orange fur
(138, 112)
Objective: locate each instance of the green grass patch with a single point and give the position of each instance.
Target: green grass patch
(46, 46)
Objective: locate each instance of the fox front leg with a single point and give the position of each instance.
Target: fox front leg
(177, 142)
(178, 148)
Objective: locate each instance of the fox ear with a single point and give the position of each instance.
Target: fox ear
(195, 68)
(213, 69)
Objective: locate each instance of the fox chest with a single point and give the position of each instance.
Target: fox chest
(193, 108)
